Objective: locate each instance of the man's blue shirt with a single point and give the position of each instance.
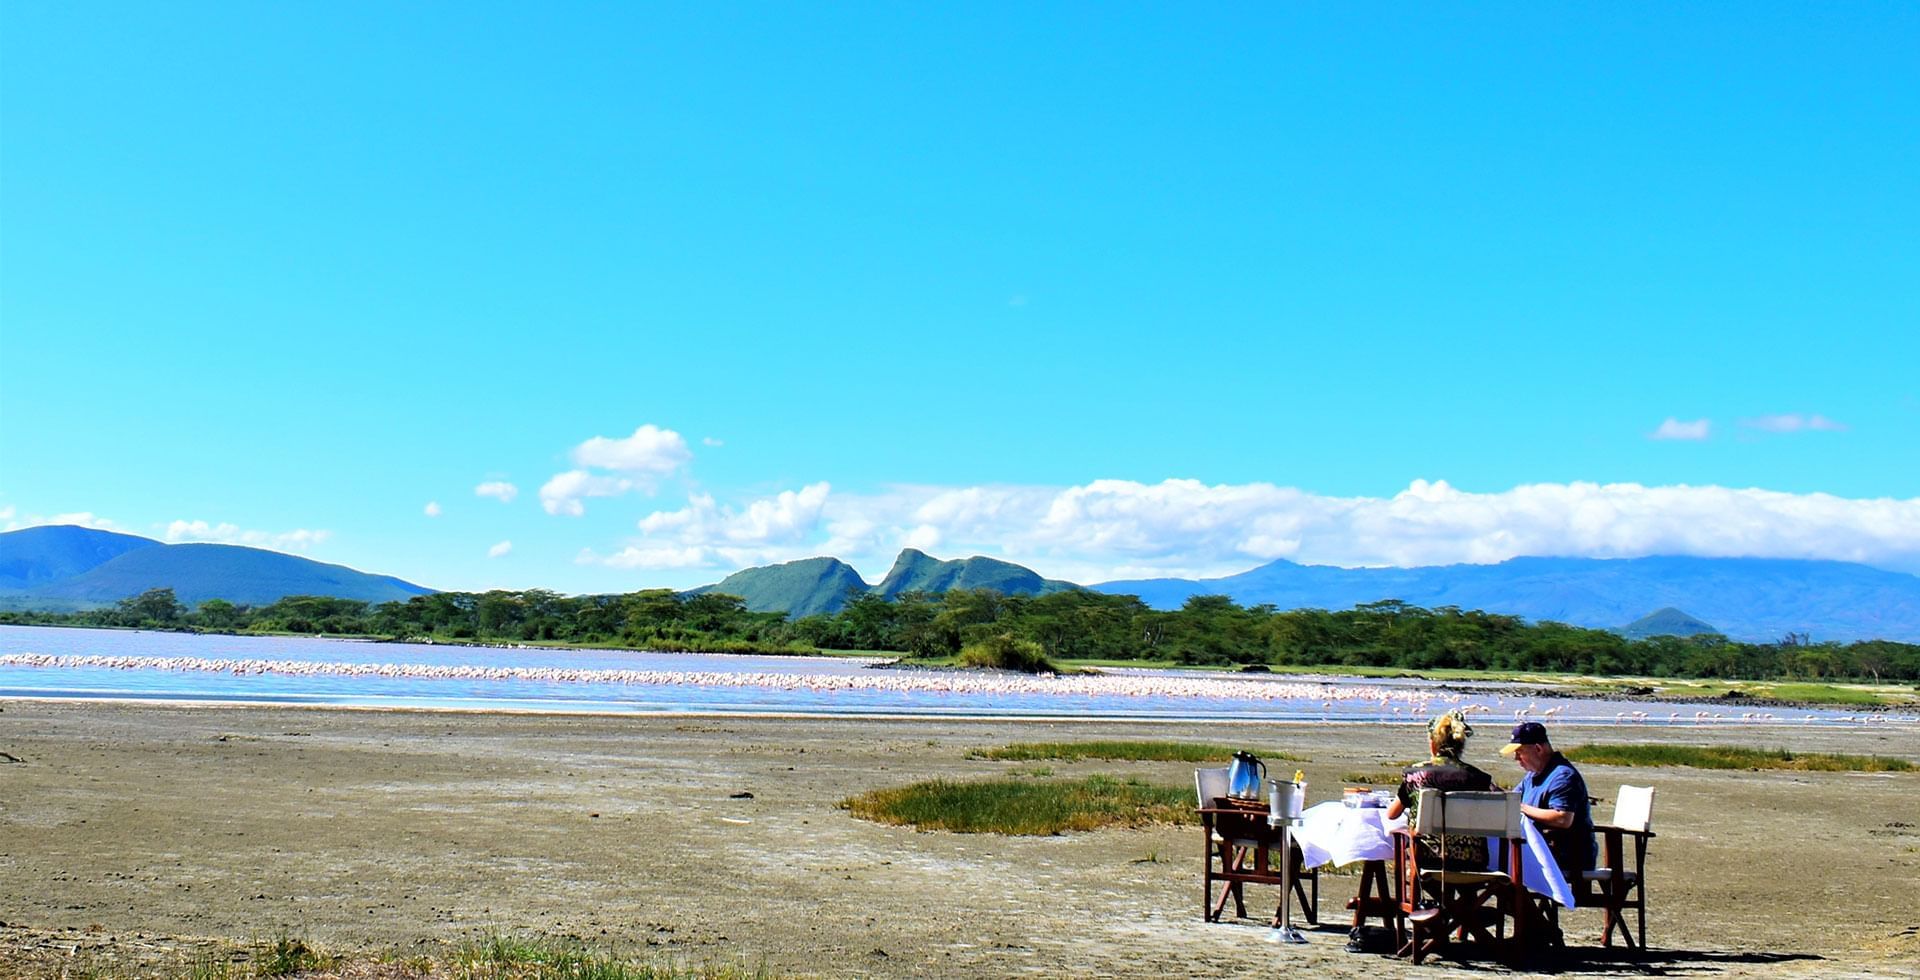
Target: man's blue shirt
(1560, 787)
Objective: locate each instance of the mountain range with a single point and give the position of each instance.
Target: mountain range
(813, 586)
(1754, 599)
(58, 567)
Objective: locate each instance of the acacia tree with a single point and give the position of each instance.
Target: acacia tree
(156, 606)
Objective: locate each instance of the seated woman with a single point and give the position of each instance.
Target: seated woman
(1446, 738)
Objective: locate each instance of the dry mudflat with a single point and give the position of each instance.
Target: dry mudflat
(134, 836)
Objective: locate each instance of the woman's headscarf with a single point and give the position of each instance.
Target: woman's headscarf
(1448, 733)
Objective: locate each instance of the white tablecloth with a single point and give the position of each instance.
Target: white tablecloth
(1334, 833)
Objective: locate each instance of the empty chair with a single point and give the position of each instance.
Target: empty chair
(1468, 904)
(1238, 842)
(1613, 886)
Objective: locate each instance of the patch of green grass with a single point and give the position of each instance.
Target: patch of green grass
(1730, 757)
(284, 957)
(522, 958)
(288, 956)
(1860, 695)
(1822, 694)
(1129, 751)
(281, 957)
(1370, 778)
(1025, 808)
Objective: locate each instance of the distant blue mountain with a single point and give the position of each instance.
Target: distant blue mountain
(1754, 599)
(38, 555)
(72, 567)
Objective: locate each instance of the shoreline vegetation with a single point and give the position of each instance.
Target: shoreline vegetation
(1073, 631)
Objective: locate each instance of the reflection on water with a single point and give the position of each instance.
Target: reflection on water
(118, 665)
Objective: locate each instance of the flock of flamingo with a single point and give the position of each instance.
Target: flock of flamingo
(1334, 699)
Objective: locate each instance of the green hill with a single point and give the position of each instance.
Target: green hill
(915, 571)
(798, 588)
(812, 586)
(78, 568)
(1665, 622)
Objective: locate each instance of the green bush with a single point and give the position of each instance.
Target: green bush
(1007, 652)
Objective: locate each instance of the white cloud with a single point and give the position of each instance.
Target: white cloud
(926, 537)
(563, 493)
(1110, 529)
(500, 550)
(704, 533)
(668, 557)
(641, 459)
(1673, 428)
(711, 441)
(787, 517)
(499, 490)
(82, 519)
(299, 539)
(79, 519)
(1793, 423)
(649, 450)
(432, 509)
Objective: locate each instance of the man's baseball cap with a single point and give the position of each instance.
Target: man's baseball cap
(1525, 733)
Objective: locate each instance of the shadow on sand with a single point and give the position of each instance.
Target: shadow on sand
(1594, 960)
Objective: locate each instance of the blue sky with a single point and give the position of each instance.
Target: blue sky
(1109, 290)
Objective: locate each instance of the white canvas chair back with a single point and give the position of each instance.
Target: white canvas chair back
(1490, 814)
(1209, 784)
(1633, 809)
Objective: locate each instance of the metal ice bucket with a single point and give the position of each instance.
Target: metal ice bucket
(1285, 800)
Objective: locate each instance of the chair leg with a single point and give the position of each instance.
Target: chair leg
(1219, 906)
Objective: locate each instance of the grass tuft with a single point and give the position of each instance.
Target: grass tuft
(521, 958)
(1131, 751)
(287, 957)
(1025, 808)
(1371, 778)
(1729, 757)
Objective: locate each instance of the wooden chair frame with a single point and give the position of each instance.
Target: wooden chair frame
(1612, 886)
(1239, 851)
(1440, 904)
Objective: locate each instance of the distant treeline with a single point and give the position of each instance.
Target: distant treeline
(1078, 625)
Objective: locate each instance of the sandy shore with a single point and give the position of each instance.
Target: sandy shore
(134, 830)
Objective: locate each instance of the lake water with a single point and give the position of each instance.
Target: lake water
(132, 665)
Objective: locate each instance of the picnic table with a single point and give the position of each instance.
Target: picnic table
(1333, 833)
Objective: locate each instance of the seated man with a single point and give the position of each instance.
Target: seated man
(1554, 796)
